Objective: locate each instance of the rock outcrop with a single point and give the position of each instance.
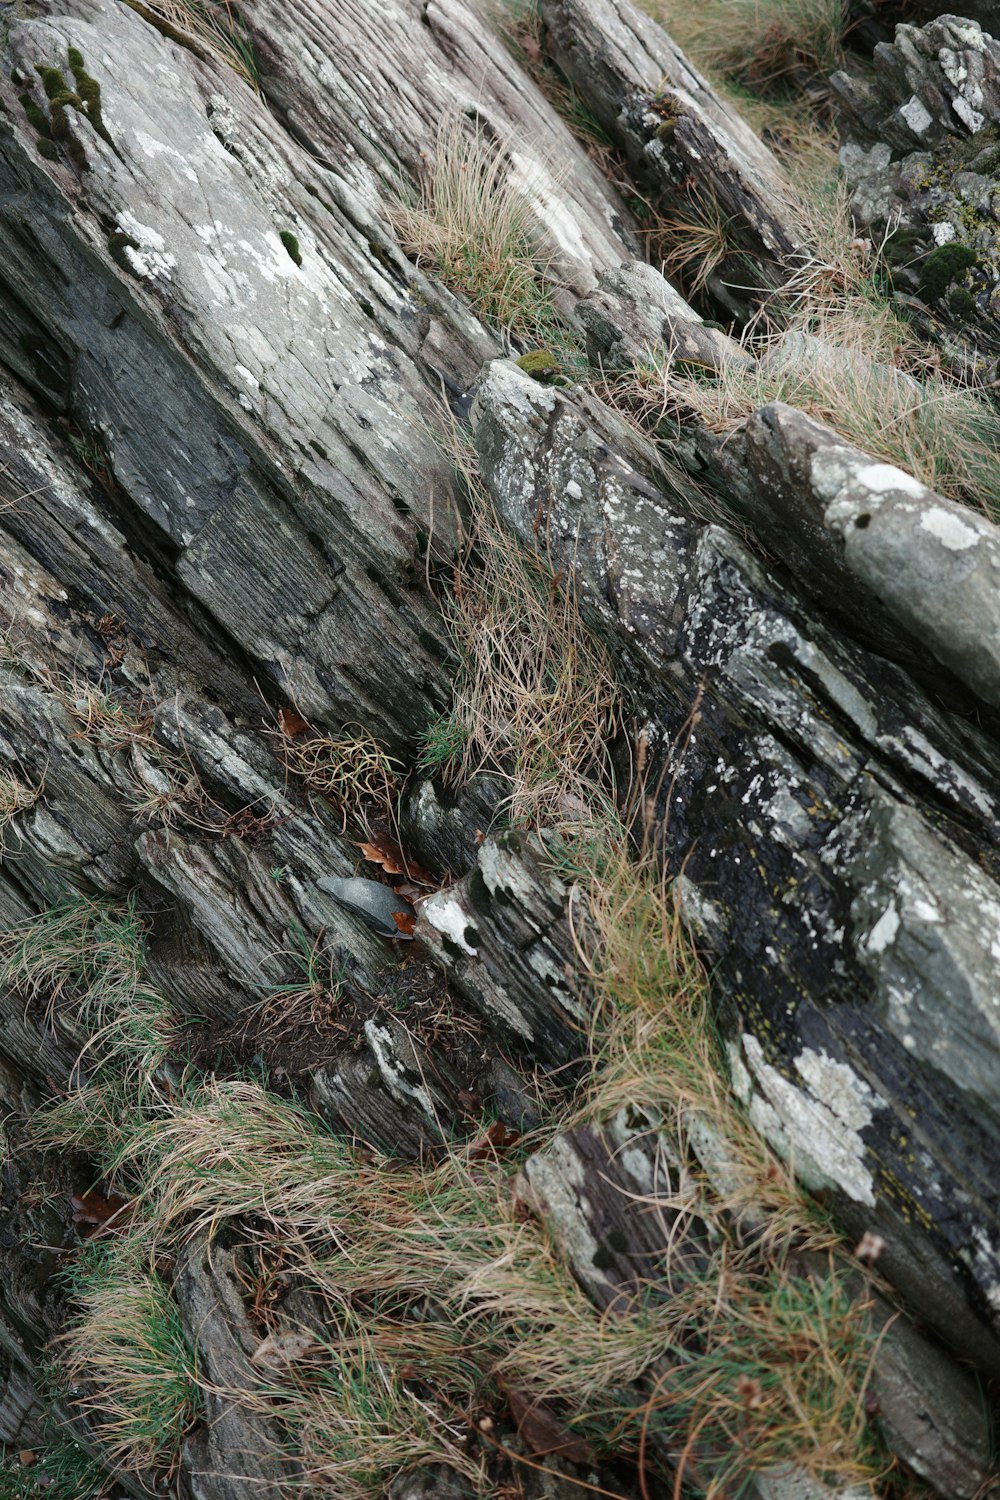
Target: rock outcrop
(227, 523)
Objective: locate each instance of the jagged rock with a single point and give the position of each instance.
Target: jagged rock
(692, 154)
(222, 496)
(635, 317)
(833, 748)
(230, 1450)
(920, 140)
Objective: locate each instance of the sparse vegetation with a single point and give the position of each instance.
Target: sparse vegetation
(474, 227)
(16, 796)
(210, 28)
(128, 1356)
(767, 45)
(352, 770)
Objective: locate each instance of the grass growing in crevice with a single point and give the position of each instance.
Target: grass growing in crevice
(210, 28)
(927, 424)
(767, 46)
(128, 1357)
(475, 228)
(535, 697)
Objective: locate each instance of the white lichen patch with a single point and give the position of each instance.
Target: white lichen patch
(149, 256)
(884, 930)
(886, 479)
(943, 233)
(916, 115)
(558, 1178)
(819, 1128)
(392, 1070)
(447, 917)
(949, 528)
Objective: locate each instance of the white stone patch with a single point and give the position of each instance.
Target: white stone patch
(947, 528)
(149, 256)
(882, 478)
(916, 115)
(247, 378)
(531, 178)
(974, 118)
(447, 917)
(392, 1070)
(820, 1131)
(884, 931)
(573, 490)
(150, 146)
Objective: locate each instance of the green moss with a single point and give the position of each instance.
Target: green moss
(37, 118)
(47, 148)
(540, 364)
(291, 244)
(53, 81)
(962, 302)
(89, 91)
(941, 268)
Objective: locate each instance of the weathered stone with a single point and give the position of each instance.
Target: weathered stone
(825, 742)
(911, 571)
(685, 147)
(920, 140)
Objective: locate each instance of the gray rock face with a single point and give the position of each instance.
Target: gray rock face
(920, 147)
(869, 540)
(833, 748)
(223, 501)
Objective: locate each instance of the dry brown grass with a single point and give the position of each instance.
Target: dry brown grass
(210, 28)
(762, 44)
(478, 232)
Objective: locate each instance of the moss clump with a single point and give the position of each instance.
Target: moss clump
(37, 118)
(89, 91)
(291, 244)
(941, 268)
(47, 148)
(540, 364)
(962, 302)
(53, 81)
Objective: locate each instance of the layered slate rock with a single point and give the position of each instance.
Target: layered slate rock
(224, 495)
(832, 825)
(693, 156)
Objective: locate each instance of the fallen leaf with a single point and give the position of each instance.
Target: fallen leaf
(405, 921)
(279, 1351)
(411, 891)
(497, 1139)
(383, 850)
(470, 1103)
(541, 1431)
(100, 1211)
(291, 723)
(26, 1458)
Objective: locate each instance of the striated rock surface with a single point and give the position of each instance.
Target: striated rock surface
(227, 520)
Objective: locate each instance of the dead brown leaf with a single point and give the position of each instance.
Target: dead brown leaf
(541, 1431)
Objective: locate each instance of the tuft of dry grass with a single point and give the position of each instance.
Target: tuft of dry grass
(763, 44)
(352, 770)
(209, 28)
(926, 423)
(477, 231)
(536, 699)
(16, 796)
